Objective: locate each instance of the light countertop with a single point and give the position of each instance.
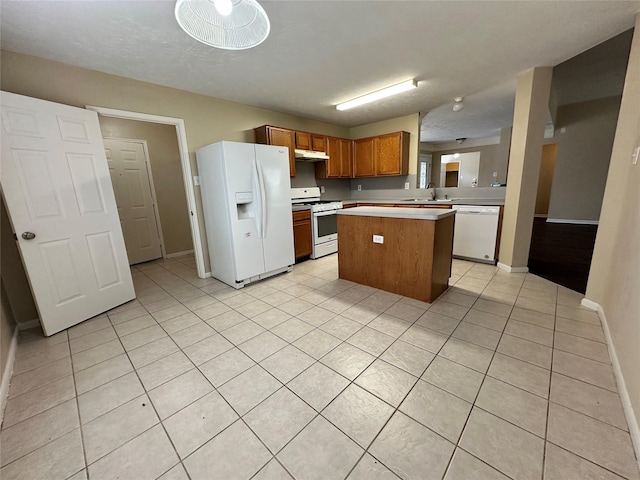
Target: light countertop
(399, 212)
(455, 201)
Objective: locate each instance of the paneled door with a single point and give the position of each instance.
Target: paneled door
(56, 186)
(129, 169)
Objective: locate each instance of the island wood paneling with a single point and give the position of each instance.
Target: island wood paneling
(414, 260)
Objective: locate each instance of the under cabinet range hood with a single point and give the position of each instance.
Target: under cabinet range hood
(310, 155)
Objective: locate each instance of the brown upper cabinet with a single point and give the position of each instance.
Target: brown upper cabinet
(364, 157)
(340, 163)
(310, 141)
(282, 137)
(384, 155)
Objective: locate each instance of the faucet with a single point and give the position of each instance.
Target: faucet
(433, 192)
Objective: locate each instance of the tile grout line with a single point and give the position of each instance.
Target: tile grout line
(473, 404)
(341, 342)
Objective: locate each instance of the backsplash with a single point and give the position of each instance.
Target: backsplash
(392, 188)
(385, 188)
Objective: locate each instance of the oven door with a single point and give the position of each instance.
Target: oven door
(325, 226)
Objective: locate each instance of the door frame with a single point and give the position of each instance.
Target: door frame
(152, 186)
(187, 174)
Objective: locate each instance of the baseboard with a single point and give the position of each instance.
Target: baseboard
(627, 407)
(29, 324)
(510, 269)
(178, 254)
(571, 221)
(8, 371)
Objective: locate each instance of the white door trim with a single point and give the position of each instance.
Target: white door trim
(156, 212)
(187, 174)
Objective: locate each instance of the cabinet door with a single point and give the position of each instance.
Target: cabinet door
(302, 233)
(392, 149)
(303, 140)
(317, 143)
(284, 138)
(346, 158)
(364, 157)
(334, 164)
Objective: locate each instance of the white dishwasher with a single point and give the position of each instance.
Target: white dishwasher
(474, 237)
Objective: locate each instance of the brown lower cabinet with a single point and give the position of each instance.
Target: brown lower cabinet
(414, 260)
(302, 237)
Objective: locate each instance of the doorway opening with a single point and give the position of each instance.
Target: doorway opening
(187, 176)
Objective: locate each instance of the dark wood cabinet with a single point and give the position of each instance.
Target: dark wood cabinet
(364, 157)
(302, 239)
(340, 160)
(384, 155)
(310, 141)
(282, 137)
(303, 140)
(393, 154)
(318, 143)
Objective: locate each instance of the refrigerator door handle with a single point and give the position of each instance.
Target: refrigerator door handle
(263, 200)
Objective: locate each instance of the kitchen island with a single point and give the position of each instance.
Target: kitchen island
(400, 250)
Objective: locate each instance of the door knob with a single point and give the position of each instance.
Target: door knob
(28, 235)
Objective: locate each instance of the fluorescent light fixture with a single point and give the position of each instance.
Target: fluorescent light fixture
(384, 93)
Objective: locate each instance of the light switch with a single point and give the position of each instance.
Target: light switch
(378, 239)
(196, 180)
(406, 186)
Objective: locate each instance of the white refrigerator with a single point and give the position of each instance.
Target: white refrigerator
(246, 200)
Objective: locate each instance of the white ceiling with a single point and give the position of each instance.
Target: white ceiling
(321, 53)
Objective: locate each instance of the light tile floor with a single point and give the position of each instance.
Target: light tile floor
(311, 377)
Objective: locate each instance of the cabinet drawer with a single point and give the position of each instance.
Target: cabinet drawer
(301, 216)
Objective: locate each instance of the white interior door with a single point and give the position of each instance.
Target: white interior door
(58, 193)
(129, 169)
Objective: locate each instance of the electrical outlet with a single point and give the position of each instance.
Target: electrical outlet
(321, 188)
(359, 188)
(406, 186)
(378, 239)
(196, 180)
(563, 130)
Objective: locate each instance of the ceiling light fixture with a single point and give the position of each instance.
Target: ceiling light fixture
(372, 97)
(226, 24)
(458, 105)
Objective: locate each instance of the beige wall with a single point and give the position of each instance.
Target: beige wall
(164, 157)
(584, 151)
(489, 163)
(529, 117)
(408, 123)
(614, 278)
(7, 327)
(545, 181)
(494, 157)
(207, 120)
